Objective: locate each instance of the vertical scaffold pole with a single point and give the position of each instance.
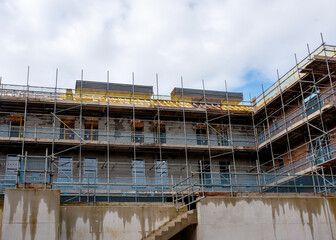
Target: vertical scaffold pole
(108, 133)
(320, 113)
(257, 147)
(80, 133)
(305, 114)
(185, 131)
(287, 135)
(25, 169)
(231, 134)
(52, 161)
(158, 130)
(327, 63)
(133, 132)
(45, 169)
(208, 133)
(24, 127)
(270, 138)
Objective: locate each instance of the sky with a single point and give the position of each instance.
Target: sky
(240, 42)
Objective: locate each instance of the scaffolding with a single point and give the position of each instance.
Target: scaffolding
(282, 141)
(295, 125)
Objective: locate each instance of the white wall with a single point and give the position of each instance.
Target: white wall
(265, 218)
(30, 214)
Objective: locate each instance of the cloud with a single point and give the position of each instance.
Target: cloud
(214, 40)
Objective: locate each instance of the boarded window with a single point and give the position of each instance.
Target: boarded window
(90, 169)
(35, 169)
(138, 172)
(11, 167)
(65, 169)
(161, 172)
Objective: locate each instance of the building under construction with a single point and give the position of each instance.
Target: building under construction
(110, 142)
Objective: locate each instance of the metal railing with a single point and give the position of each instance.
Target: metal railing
(305, 158)
(124, 137)
(292, 75)
(62, 94)
(293, 116)
(181, 190)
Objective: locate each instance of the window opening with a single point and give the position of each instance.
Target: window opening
(17, 123)
(65, 132)
(137, 132)
(159, 130)
(91, 129)
(201, 134)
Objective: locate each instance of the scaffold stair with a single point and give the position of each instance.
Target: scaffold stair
(173, 227)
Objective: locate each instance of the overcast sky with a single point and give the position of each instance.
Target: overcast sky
(243, 42)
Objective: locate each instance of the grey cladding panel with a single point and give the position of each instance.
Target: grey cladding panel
(208, 93)
(117, 87)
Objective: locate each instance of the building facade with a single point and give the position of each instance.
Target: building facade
(105, 141)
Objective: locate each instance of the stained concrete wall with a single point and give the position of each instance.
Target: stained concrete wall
(30, 214)
(129, 221)
(1, 214)
(266, 218)
(37, 214)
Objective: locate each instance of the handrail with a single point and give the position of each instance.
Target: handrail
(292, 75)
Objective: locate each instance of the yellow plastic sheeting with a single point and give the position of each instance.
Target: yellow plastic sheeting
(162, 103)
(237, 108)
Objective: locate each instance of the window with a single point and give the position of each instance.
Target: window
(64, 169)
(224, 169)
(35, 165)
(312, 105)
(319, 150)
(204, 172)
(161, 172)
(138, 172)
(65, 132)
(90, 169)
(275, 125)
(280, 162)
(159, 132)
(91, 129)
(137, 132)
(11, 167)
(201, 134)
(222, 136)
(16, 127)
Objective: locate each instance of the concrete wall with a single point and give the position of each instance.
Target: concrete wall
(30, 214)
(129, 221)
(266, 218)
(1, 214)
(37, 214)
